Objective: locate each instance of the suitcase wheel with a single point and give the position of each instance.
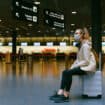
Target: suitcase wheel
(86, 96)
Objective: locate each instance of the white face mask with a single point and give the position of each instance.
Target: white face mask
(76, 37)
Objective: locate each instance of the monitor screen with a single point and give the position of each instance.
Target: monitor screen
(1, 43)
(74, 43)
(9, 43)
(36, 43)
(49, 43)
(103, 43)
(24, 44)
(62, 43)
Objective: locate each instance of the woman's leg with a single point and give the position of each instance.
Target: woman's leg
(67, 78)
(66, 84)
(64, 77)
(60, 92)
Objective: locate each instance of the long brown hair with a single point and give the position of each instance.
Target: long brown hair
(86, 33)
(96, 57)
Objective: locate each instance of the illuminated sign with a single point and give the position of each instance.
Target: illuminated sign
(10, 44)
(25, 10)
(62, 43)
(36, 43)
(49, 43)
(24, 44)
(54, 19)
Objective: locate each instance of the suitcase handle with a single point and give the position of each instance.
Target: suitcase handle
(100, 61)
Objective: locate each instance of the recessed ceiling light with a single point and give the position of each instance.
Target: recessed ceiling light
(37, 2)
(6, 32)
(30, 25)
(72, 31)
(17, 28)
(39, 31)
(74, 12)
(72, 24)
(53, 28)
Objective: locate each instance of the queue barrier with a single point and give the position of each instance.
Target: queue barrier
(2, 56)
(8, 57)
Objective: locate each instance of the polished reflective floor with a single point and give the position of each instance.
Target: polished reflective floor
(32, 82)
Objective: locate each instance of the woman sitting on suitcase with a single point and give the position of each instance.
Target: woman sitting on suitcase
(84, 64)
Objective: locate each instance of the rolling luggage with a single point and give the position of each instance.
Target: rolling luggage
(92, 84)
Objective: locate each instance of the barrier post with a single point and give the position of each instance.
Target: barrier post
(8, 57)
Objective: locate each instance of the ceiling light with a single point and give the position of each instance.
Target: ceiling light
(72, 31)
(30, 25)
(6, 32)
(72, 24)
(17, 28)
(37, 2)
(53, 28)
(39, 31)
(74, 12)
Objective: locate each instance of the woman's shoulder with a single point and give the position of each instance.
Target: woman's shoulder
(86, 43)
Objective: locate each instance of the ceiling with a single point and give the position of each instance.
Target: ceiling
(81, 19)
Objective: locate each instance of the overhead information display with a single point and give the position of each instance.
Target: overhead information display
(25, 10)
(54, 19)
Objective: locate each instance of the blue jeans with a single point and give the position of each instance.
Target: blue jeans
(66, 81)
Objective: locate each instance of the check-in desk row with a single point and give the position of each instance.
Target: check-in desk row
(39, 51)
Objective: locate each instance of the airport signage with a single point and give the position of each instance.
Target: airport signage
(54, 19)
(25, 10)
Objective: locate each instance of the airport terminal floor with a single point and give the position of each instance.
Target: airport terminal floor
(31, 83)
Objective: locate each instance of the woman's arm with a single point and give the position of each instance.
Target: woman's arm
(74, 64)
(85, 56)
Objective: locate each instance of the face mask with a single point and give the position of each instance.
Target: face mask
(76, 37)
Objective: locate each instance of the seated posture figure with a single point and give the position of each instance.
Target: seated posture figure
(84, 63)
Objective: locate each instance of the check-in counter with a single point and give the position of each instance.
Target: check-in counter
(40, 49)
(44, 50)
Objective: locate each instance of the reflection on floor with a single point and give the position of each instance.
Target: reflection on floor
(30, 83)
(32, 69)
